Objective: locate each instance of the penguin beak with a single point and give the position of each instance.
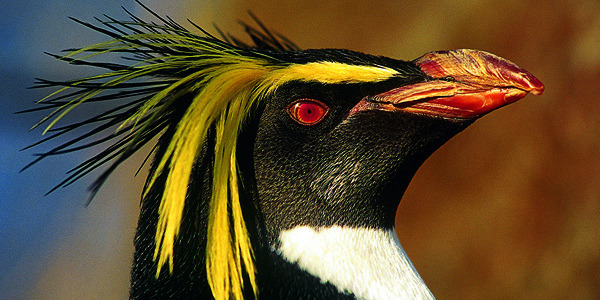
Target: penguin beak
(461, 84)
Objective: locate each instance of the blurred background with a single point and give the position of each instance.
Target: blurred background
(508, 209)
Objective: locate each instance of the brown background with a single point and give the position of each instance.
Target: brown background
(508, 209)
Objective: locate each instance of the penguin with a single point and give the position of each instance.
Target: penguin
(276, 172)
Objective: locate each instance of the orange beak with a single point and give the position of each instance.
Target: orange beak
(463, 84)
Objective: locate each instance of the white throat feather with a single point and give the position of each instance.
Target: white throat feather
(367, 262)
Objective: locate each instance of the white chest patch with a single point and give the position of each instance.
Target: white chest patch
(370, 263)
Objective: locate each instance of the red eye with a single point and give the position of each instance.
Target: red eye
(308, 111)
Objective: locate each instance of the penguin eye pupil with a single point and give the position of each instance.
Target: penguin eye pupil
(308, 111)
